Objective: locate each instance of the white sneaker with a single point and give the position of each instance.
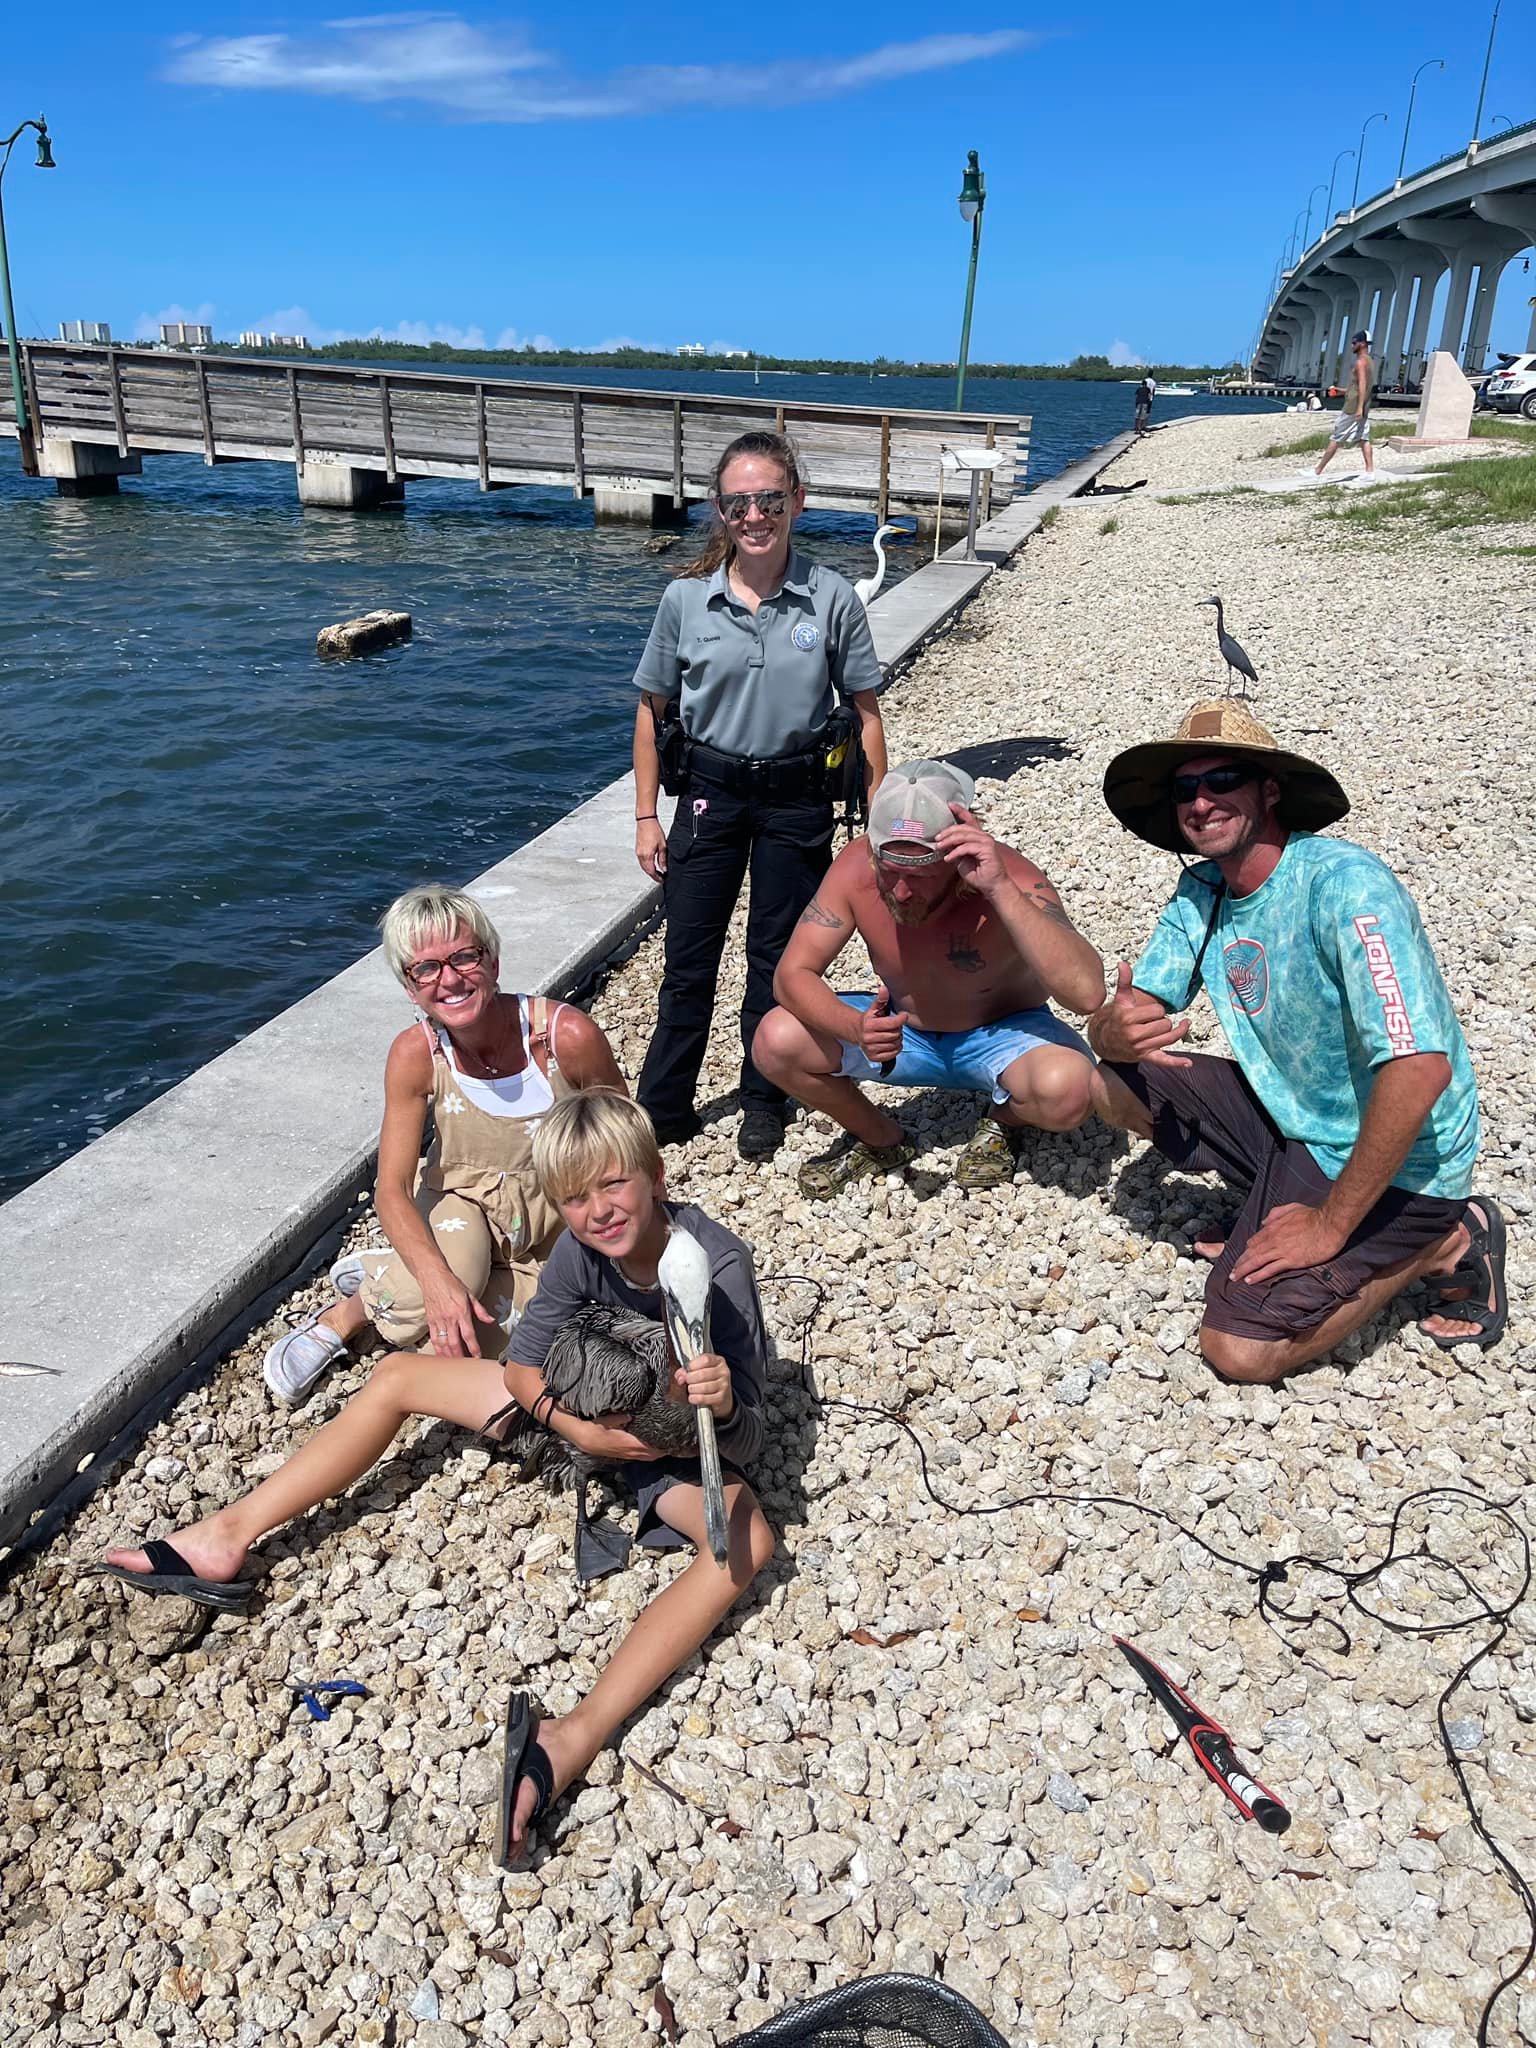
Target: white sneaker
(349, 1273)
(297, 1359)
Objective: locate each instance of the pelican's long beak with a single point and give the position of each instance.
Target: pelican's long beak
(684, 1278)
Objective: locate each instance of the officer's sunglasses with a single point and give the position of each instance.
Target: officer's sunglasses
(771, 504)
(1218, 781)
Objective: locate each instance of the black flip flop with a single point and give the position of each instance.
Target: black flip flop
(522, 1757)
(1482, 1270)
(170, 1573)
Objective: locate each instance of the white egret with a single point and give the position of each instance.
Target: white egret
(867, 586)
(683, 1276)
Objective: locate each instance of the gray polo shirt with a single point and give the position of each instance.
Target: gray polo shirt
(760, 683)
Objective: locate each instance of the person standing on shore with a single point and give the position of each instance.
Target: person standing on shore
(1353, 428)
(759, 672)
(1143, 404)
(1347, 1124)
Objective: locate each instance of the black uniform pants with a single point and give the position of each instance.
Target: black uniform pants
(717, 839)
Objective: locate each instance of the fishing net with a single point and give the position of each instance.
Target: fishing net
(879, 2012)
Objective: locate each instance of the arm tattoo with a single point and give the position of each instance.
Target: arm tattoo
(816, 912)
(1045, 901)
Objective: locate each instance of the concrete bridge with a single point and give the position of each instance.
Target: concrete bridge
(1379, 266)
(357, 435)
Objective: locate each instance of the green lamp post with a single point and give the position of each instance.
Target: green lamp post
(973, 198)
(24, 439)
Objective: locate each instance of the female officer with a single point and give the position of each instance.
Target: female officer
(759, 647)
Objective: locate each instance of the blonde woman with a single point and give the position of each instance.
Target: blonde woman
(468, 1227)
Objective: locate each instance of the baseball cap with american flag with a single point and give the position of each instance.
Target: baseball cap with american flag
(912, 807)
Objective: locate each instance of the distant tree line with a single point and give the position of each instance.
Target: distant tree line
(1081, 369)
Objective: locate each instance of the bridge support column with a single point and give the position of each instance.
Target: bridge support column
(1393, 359)
(1488, 274)
(647, 508)
(1456, 302)
(343, 489)
(1516, 211)
(82, 470)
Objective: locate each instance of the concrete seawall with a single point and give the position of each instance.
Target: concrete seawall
(140, 1254)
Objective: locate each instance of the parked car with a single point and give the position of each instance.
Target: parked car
(1512, 387)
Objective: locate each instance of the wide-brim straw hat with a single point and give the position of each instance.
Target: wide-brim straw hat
(1137, 782)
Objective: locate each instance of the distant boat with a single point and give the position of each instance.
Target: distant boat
(1177, 391)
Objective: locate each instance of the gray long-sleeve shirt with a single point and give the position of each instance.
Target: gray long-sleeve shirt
(575, 1276)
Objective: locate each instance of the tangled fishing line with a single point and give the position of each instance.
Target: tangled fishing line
(1289, 1622)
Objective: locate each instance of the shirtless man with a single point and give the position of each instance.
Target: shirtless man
(969, 942)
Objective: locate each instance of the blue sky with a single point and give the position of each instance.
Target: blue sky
(784, 180)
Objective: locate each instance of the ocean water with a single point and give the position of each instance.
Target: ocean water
(200, 821)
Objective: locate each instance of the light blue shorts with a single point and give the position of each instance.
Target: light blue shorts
(961, 1059)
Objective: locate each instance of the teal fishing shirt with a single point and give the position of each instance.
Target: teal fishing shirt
(1319, 977)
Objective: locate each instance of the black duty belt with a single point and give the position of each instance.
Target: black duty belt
(781, 775)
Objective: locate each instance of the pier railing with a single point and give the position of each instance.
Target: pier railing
(497, 431)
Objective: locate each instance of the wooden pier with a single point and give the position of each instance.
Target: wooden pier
(357, 435)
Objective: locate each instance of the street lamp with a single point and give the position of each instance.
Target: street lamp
(1328, 218)
(1307, 238)
(973, 199)
(1408, 119)
(1477, 118)
(1354, 198)
(1296, 252)
(1497, 118)
(24, 441)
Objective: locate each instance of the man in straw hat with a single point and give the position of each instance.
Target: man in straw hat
(1347, 1122)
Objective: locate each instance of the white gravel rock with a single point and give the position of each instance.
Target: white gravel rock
(914, 1746)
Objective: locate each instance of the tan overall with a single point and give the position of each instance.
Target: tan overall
(477, 1193)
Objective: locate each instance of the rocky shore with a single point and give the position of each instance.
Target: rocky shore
(916, 1747)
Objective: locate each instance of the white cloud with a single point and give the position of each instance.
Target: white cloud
(423, 335)
(147, 326)
(476, 74)
(1124, 357)
(510, 338)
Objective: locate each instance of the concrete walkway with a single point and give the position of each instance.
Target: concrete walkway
(142, 1252)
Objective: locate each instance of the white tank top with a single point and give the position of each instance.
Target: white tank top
(518, 1095)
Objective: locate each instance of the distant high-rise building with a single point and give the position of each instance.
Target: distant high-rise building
(290, 344)
(185, 334)
(693, 348)
(84, 330)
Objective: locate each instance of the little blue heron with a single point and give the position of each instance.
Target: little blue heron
(1231, 653)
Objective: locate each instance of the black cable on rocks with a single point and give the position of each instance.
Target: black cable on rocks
(1275, 1572)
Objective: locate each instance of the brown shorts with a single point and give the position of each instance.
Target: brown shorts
(1206, 1119)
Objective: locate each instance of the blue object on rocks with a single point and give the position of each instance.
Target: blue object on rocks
(315, 1696)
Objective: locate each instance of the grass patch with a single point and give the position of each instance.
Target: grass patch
(1498, 492)
(1049, 516)
(1484, 428)
(1208, 497)
(1110, 526)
